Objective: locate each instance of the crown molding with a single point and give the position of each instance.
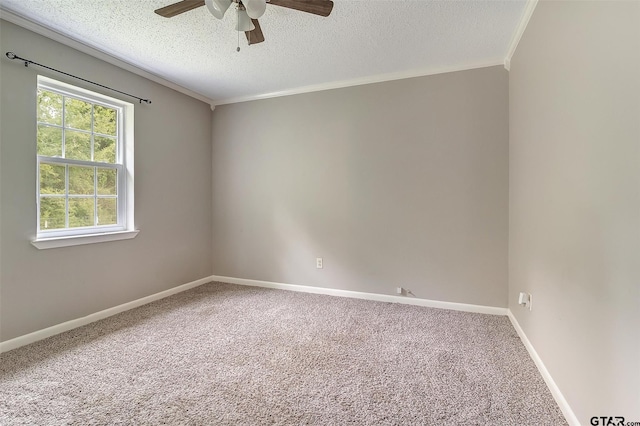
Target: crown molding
(361, 81)
(517, 35)
(107, 57)
(96, 53)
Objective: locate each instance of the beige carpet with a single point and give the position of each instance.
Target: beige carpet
(231, 355)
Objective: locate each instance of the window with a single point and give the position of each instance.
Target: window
(85, 166)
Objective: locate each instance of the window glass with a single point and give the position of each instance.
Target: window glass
(82, 169)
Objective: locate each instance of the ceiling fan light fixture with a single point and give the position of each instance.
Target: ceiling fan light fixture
(244, 22)
(255, 8)
(218, 7)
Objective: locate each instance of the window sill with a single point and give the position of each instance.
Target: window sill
(76, 240)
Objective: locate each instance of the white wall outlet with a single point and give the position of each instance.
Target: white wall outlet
(399, 290)
(524, 299)
(319, 262)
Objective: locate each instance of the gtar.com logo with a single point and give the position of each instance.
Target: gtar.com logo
(607, 421)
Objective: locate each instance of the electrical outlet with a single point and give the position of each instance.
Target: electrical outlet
(525, 300)
(522, 298)
(400, 291)
(319, 262)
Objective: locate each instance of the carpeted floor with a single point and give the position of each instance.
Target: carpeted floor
(232, 355)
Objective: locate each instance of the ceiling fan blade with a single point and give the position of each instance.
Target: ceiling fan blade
(178, 8)
(317, 7)
(255, 36)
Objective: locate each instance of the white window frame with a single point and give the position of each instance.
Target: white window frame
(124, 228)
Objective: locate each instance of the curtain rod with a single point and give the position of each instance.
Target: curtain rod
(13, 56)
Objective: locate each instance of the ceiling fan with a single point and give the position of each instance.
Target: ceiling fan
(248, 11)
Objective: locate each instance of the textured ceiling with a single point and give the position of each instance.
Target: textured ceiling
(361, 39)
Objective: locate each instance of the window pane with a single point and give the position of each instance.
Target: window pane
(49, 107)
(104, 149)
(105, 120)
(107, 180)
(81, 212)
(51, 212)
(107, 211)
(50, 141)
(81, 180)
(77, 145)
(51, 179)
(77, 114)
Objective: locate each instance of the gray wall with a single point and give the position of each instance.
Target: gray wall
(41, 288)
(401, 183)
(575, 199)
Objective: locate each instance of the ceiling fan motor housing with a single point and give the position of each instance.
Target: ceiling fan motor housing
(254, 8)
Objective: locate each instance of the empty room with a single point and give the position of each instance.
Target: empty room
(385, 212)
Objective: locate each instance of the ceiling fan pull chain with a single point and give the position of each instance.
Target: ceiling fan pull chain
(238, 16)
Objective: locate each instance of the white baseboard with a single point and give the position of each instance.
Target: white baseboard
(79, 322)
(551, 384)
(492, 310)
